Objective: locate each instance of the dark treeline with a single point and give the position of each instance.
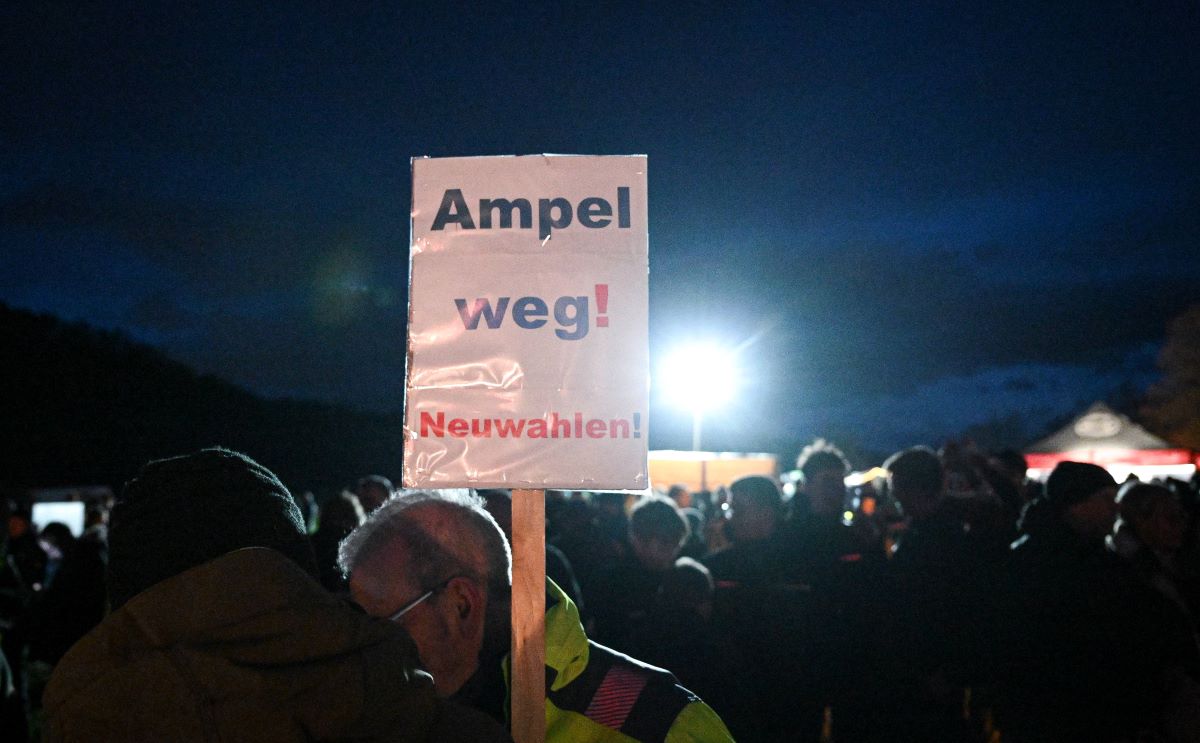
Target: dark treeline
(86, 406)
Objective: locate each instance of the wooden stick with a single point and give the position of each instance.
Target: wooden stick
(528, 708)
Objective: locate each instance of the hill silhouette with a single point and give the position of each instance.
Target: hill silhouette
(88, 406)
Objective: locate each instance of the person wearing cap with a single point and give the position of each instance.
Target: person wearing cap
(219, 629)
(1081, 657)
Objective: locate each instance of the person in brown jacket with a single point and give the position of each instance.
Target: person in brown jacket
(220, 631)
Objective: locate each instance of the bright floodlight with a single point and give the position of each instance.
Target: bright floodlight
(699, 378)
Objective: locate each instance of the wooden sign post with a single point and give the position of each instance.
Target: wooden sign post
(528, 701)
(528, 352)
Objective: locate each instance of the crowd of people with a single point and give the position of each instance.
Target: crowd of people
(951, 600)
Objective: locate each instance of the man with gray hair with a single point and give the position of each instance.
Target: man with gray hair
(437, 563)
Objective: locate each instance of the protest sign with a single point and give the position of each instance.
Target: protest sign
(527, 336)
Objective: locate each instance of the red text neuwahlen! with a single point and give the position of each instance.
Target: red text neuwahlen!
(551, 426)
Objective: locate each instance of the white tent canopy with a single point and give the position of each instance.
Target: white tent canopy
(1107, 438)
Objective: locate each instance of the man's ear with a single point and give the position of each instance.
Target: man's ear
(468, 600)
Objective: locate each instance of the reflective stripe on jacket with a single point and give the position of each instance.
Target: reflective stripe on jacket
(597, 694)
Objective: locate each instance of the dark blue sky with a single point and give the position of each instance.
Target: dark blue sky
(926, 215)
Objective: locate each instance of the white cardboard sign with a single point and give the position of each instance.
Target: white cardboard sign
(528, 312)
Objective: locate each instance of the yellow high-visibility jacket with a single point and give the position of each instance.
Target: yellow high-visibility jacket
(597, 695)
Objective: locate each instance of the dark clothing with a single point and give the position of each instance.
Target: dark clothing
(28, 560)
(22, 571)
(1176, 602)
(1083, 658)
(487, 689)
(559, 570)
(75, 602)
(1173, 618)
(693, 546)
(782, 629)
(922, 647)
(589, 543)
(704, 661)
(325, 548)
(622, 598)
(750, 563)
(12, 713)
(819, 547)
(247, 647)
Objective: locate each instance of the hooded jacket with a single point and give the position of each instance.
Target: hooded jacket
(246, 647)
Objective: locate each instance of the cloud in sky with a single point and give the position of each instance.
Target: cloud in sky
(230, 289)
(1034, 393)
(897, 201)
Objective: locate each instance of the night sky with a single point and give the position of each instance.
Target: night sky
(913, 218)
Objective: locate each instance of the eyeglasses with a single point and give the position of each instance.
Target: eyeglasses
(413, 604)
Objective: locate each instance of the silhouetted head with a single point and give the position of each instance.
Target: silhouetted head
(342, 513)
(1084, 497)
(609, 505)
(656, 532)
(680, 495)
(915, 480)
(1012, 463)
(181, 512)
(373, 491)
(59, 535)
(1154, 514)
(755, 508)
(824, 469)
